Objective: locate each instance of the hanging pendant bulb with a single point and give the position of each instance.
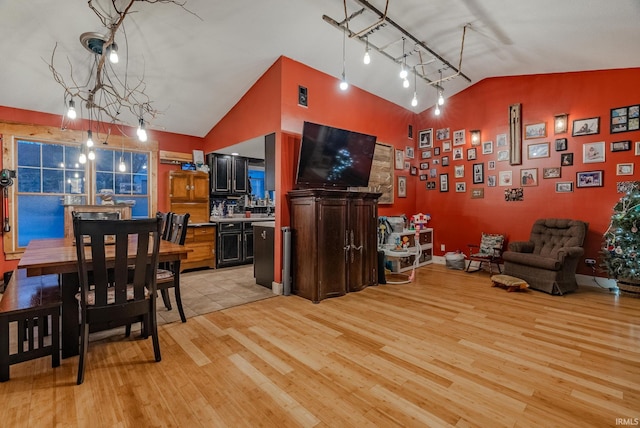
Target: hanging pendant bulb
(89, 139)
(142, 132)
(403, 66)
(343, 83)
(440, 98)
(414, 101)
(91, 155)
(122, 167)
(403, 72)
(71, 112)
(437, 111)
(405, 83)
(367, 57)
(113, 53)
(83, 158)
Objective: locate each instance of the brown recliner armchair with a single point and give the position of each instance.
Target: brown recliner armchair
(548, 261)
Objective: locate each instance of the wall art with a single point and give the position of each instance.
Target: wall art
(589, 179)
(593, 152)
(589, 126)
(425, 139)
(535, 130)
(625, 119)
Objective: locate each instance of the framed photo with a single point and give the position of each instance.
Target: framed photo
(458, 171)
(402, 187)
(445, 160)
(423, 177)
(505, 178)
(564, 186)
(566, 159)
(553, 172)
(457, 154)
(625, 119)
(414, 171)
(561, 144)
(410, 132)
(424, 165)
(620, 146)
(487, 147)
(426, 154)
(431, 185)
(593, 152)
(477, 193)
(637, 148)
(436, 151)
(442, 134)
(515, 194)
(458, 138)
(491, 180)
(436, 161)
(472, 154)
(503, 155)
(446, 146)
(433, 173)
(425, 138)
(586, 127)
(589, 179)
(501, 140)
(461, 187)
(478, 173)
(624, 169)
(539, 150)
(529, 177)
(491, 165)
(444, 182)
(535, 130)
(408, 152)
(399, 163)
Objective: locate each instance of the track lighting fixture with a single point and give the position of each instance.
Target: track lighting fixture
(367, 57)
(71, 112)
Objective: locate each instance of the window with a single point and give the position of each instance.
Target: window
(48, 175)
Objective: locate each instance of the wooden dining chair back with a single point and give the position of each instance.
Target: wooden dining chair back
(166, 223)
(117, 266)
(169, 274)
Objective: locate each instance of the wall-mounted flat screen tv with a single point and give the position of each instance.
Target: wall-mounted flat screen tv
(333, 157)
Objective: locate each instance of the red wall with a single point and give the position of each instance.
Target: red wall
(459, 220)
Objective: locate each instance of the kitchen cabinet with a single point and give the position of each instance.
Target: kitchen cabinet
(334, 248)
(189, 186)
(234, 243)
(201, 240)
(229, 174)
(263, 240)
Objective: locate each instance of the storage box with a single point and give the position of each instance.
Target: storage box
(454, 260)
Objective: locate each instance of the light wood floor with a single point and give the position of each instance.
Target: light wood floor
(447, 350)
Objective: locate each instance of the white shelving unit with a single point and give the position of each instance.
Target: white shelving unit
(402, 261)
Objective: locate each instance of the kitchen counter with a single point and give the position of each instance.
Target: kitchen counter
(238, 219)
(266, 224)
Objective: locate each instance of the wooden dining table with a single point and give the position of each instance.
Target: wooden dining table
(58, 256)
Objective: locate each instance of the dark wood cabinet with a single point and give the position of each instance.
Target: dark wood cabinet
(263, 240)
(229, 174)
(334, 249)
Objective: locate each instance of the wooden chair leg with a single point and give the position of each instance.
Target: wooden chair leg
(4, 349)
(55, 338)
(179, 298)
(165, 298)
(84, 344)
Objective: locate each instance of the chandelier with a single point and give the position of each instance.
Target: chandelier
(109, 95)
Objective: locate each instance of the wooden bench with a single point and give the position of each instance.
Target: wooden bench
(31, 303)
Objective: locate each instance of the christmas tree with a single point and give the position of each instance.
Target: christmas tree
(621, 252)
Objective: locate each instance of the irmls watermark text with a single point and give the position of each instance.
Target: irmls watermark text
(628, 421)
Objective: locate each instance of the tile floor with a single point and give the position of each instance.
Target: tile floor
(209, 290)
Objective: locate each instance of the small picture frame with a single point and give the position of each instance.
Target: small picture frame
(501, 140)
(424, 165)
(410, 132)
(408, 152)
(399, 161)
(515, 194)
(553, 172)
(442, 134)
(593, 152)
(461, 187)
(537, 151)
(446, 146)
(444, 182)
(458, 171)
(436, 151)
(423, 177)
(425, 138)
(477, 193)
(588, 126)
(472, 154)
(457, 154)
(487, 147)
(491, 165)
(458, 138)
(431, 185)
(503, 155)
(433, 173)
(505, 178)
(637, 148)
(413, 171)
(625, 119)
(566, 159)
(491, 181)
(624, 169)
(589, 179)
(478, 173)
(621, 146)
(445, 160)
(402, 187)
(407, 165)
(535, 130)
(426, 154)
(529, 177)
(561, 144)
(564, 187)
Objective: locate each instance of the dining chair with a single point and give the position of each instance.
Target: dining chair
(122, 257)
(166, 223)
(169, 273)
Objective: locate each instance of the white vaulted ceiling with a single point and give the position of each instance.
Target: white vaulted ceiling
(198, 65)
